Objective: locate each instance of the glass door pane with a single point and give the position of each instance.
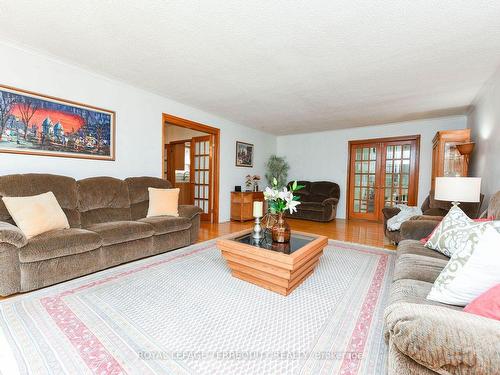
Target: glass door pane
(363, 184)
(453, 160)
(397, 173)
(201, 172)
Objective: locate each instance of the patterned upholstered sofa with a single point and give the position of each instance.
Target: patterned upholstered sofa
(427, 337)
(108, 227)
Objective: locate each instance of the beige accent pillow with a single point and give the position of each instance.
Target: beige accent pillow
(36, 214)
(163, 202)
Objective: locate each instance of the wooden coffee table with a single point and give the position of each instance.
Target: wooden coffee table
(277, 267)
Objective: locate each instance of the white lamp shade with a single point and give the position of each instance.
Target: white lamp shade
(458, 189)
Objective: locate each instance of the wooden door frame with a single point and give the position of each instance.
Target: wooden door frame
(184, 123)
(415, 137)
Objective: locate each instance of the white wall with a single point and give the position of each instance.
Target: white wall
(324, 155)
(138, 123)
(484, 121)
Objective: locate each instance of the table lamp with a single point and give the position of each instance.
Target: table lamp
(458, 189)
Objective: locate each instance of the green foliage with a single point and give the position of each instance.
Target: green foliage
(276, 204)
(277, 168)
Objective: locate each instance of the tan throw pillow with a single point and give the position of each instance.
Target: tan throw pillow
(163, 202)
(36, 214)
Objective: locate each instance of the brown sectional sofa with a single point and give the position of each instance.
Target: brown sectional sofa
(427, 337)
(108, 224)
(318, 201)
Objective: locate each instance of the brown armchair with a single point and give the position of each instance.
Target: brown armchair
(433, 212)
(318, 199)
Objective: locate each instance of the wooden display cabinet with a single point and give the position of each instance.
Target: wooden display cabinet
(446, 160)
(242, 204)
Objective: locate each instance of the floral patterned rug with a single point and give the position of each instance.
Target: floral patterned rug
(183, 313)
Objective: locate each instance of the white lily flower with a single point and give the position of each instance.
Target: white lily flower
(273, 194)
(284, 194)
(292, 206)
(270, 194)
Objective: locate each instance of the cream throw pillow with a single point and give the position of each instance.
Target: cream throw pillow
(36, 214)
(469, 274)
(163, 202)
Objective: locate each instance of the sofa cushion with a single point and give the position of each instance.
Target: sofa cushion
(115, 232)
(418, 267)
(435, 212)
(316, 198)
(139, 194)
(413, 291)
(311, 206)
(167, 224)
(103, 199)
(446, 341)
(326, 188)
(415, 247)
(58, 243)
(23, 185)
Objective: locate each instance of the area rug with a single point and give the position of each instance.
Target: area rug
(183, 313)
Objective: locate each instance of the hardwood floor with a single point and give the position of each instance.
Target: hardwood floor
(359, 231)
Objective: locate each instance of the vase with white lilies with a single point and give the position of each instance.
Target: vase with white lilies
(280, 201)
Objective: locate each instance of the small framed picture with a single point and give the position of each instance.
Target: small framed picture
(244, 154)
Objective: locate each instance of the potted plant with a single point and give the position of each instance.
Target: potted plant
(248, 182)
(277, 169)
(255, 180)
(280, 201)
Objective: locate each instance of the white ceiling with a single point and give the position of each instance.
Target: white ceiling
(283, 66)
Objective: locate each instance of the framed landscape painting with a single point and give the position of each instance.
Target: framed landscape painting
(36, 124)
(244, 154)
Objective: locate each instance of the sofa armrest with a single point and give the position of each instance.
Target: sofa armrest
(389, 212)
(417, 229)
(12, 235)
(426, 204)
(331, 201)
(193, 214)
(189, 211)
(444, 340)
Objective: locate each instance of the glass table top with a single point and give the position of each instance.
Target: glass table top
(297, 241)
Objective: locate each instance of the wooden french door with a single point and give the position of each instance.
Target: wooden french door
(382, 173)
(364, 170)
(202, 174)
